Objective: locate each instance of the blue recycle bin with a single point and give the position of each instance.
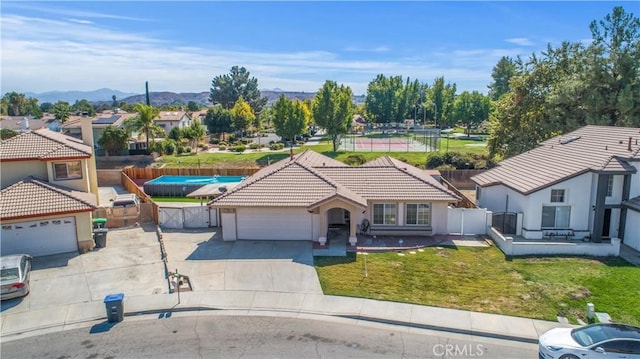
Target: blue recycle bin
(114, 307)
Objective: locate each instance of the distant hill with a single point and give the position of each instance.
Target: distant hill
(104, 95)
(202, 98)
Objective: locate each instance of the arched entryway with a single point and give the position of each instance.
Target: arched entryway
(340, 226)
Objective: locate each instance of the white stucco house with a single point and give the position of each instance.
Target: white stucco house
(302, 197)
(584, 185)
(170, 119)
(49, 192)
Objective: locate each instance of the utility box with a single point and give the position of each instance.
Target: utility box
(114, 307)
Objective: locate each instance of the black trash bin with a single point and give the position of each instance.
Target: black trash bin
(100, 236)
(114, 307)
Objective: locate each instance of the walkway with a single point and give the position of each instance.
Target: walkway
(630, 255)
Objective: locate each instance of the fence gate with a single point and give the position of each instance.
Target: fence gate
(505, 222)
(171, 217)
(196, 217)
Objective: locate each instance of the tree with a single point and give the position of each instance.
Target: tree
(333, 110)
(440, 98)
(289, 119)
(472, 109)
(15, 101)
(31, 107)
(7, 133)
(46, 107)
(218, 120)
(83, 106)
(501, 74)
(194, 133)
(227, 89)
(144, 121)
(114, 102)
(383, 98)
(242, 115)
(61, 111)
(113, 140)
(192, 106)
(175, 134)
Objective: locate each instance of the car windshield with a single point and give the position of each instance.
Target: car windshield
(9, 274)
(593, 334)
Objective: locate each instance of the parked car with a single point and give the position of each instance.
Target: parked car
(591, 341)
(14, 277)
(126, 200)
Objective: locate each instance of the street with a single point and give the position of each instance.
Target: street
(221, 336)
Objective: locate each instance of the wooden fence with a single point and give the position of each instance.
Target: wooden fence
(464, 202)
(151, 173)
(132, 187)
(460, 179)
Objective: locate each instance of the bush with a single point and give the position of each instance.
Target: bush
(276, 146)
(232, 138)
(169, 147)
(222, 147)
(223, 143)
(355, 160)
(180, 150)
(254, 146)
(157, 147)
(246, 141)
(458, 161)
(240, 148)
(271, 142)
(187, 149)
(214, 141)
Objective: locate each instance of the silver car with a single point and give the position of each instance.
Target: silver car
(14, 279)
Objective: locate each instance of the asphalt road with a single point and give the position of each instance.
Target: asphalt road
(219, 336)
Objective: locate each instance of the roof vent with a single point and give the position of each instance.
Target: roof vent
(564, 141)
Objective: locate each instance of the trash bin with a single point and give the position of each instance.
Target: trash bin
(100, 236)
(114, 307)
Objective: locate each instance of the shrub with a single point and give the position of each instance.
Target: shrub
(271, 142)
(222, 147)
(169, 147)
(157, 147)
(180, 150)
(223, 143)
(276, 146)
(214, 141)
(240, 148)
(246, 141)
(187, 149)
(254, 146)
(232, 138)
(356, 160)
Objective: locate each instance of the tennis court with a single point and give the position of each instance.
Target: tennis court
(420, 141)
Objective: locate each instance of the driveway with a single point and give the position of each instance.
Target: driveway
(212, 264)
(130, 263)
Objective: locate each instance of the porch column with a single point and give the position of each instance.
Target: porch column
(353, 239)
(323, 228)
(598, 216)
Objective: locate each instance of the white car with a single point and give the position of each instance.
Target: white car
(592, 341)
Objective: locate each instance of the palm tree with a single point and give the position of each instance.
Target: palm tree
(144, 122)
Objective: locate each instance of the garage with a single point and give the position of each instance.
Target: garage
(274, 224)
(40, 238)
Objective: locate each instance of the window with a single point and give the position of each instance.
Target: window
(557, 195)
(556, 216)
(418, 214)
(610, 186)
(67, 170)
(384, 213)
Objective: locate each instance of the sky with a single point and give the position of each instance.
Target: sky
(180, 46)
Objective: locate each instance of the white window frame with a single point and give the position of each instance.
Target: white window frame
(610, 187)
(554, 191)
(388, 209)
(68, 175)
(422, 213)
(557, 215)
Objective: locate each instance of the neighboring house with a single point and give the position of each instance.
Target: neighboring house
(49, 191)
(303, 197)
(72, 126)
(582, 185)
(23, 124)
(170, 119)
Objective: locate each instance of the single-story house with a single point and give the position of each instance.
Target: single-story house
(582, 185)
(49, 191)
(302, 197)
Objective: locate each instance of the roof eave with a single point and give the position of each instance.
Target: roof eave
(25, 216)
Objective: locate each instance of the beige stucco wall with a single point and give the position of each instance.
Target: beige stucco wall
(84, 227)
(353, 209)
(438, 220)
(81, 184)
(12, 172)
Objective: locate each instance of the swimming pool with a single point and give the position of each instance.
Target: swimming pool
(180, 186)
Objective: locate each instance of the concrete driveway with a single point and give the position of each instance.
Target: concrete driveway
(130, 263)
(212, 264)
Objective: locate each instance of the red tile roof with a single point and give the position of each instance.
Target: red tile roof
(590, 148)
(32, 197)
(43, 144)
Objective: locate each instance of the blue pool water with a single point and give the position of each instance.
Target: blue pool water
(195, 180)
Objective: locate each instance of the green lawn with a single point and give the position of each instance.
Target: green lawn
(481, 279)
(252, 158)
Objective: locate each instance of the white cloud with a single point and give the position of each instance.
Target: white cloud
(367, 49)
(79, 21)
(43, 54)
(520, 41)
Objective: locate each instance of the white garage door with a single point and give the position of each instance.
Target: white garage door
(274, 224)
(40, 238)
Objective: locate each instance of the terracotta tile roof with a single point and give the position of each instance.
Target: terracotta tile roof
(590, 148)
(32, 197)
(43, 144)
(311, 178)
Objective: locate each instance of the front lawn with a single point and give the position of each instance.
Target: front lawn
(482, 280)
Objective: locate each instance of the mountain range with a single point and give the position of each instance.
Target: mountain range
(105, 95)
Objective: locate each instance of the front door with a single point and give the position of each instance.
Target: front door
(606, 226)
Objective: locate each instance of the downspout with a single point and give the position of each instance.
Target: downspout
(86, 128)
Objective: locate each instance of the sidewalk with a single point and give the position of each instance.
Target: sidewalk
(52, 319)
